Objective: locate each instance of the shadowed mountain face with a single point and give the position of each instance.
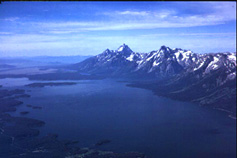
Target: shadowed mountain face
(208, 79)
(110, 62)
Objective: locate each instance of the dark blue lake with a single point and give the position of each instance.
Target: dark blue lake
(133, 119)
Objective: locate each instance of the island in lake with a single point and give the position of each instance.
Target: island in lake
(50, 84)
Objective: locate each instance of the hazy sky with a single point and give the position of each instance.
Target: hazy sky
(88, 28)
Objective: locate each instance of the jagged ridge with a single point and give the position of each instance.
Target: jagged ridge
(208, 79)
(162, 63)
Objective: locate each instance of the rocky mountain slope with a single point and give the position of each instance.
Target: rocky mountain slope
(162, 63)
(208, 79)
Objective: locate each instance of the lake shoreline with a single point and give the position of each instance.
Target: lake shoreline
(229, 113)
(19, 136)
(82, 98)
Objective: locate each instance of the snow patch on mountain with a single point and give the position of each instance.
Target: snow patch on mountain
(232, 57)
(130, 58)
(162, 62)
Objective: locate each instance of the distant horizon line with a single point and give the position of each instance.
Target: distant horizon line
(24, 56)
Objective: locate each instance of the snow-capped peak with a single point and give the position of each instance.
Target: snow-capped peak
(163, 62)
(124, 47)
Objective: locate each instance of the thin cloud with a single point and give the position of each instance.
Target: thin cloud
(220, 13)
(128, 20)
(82, 42)
(229, 34)
(93, 31)
(11, 19)
(5, 33)
(137, 13)
(176, 22)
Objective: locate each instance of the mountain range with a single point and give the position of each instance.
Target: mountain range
(163, 63)
(208, 79)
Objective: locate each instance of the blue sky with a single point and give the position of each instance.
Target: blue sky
(88, 28)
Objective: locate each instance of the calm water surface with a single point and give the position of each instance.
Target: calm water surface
(133, 119)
